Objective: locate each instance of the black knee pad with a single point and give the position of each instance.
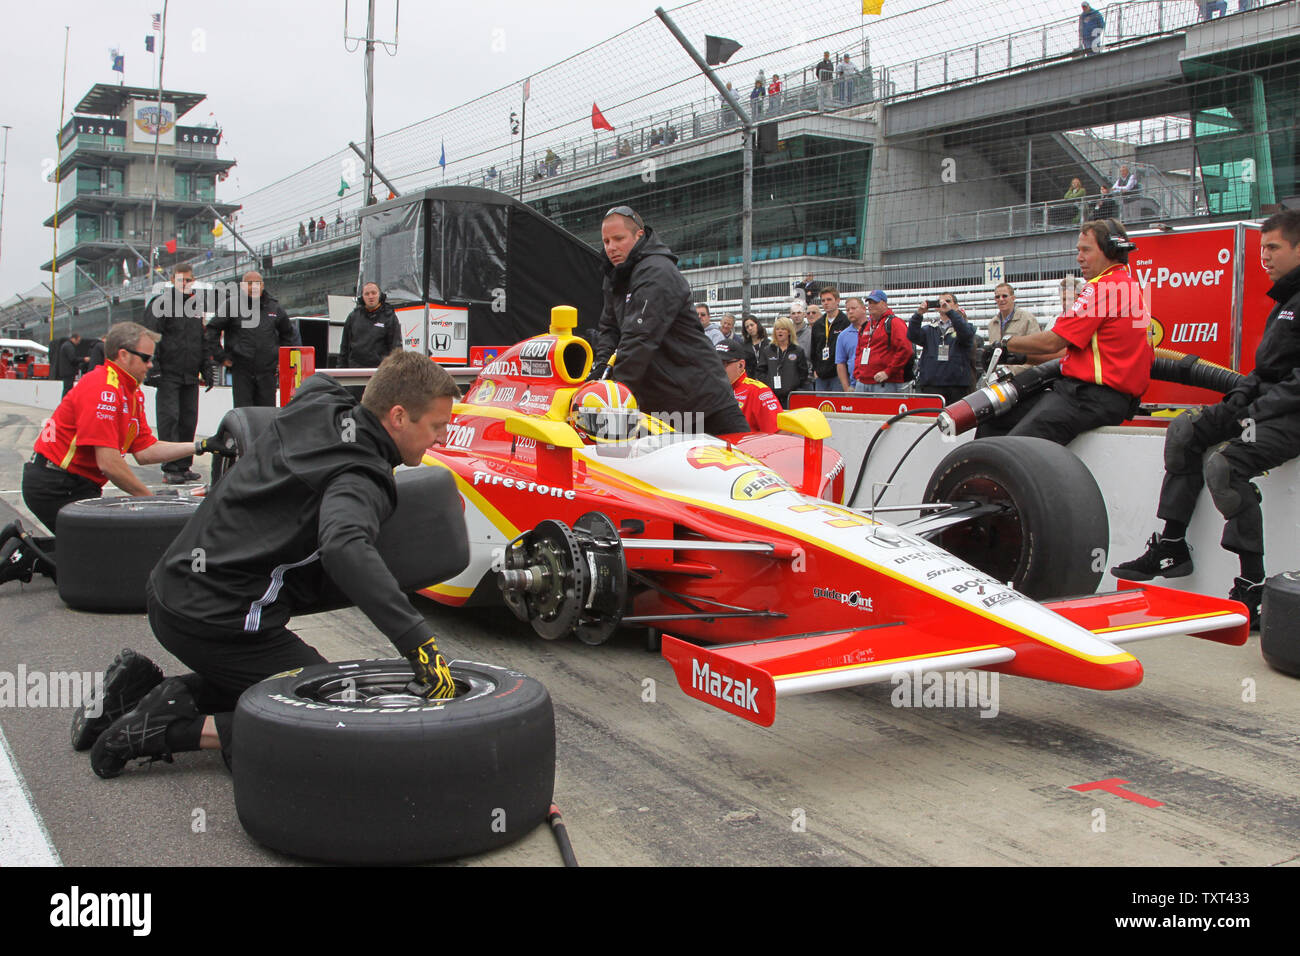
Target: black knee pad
(1228, 494)
(1178, 436)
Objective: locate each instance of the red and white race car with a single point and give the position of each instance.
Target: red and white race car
(762, 585)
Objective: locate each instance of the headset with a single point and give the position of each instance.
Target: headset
(1116, 246)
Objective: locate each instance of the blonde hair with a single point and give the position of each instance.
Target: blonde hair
(784, 323)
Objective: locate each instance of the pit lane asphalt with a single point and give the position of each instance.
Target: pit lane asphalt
(675, 782)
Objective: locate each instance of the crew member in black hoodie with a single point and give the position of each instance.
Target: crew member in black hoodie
(254, 327)
(315, 488)
(663, 355)
(179, 365)
(1255, 428)
(371, 331)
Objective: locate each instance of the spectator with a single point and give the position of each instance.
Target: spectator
(1075, 193)
(945, 366)
(787, 365)
(824, 334)
(245, 336)
(1091, 25)
(670, 135)
(713, 333)
(1105, 207)
(96, 357)
(756, 99)
(883, 348)
(552, 163)
(1125, 182)
(728, 114)
(302, 234)
(728, 327)
(311, 230)
(338, 220)
(624, 148)
(1210, 7)
(321, 227)
(371, 330)
(846, 346)
(809, 288)
(825, 73)
(70, 364)
(755, 337)
(846, 78)
(774, 95)
(1010, 320)
(802, 330)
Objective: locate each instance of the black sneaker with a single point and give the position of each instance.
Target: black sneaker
(1163, 559)
(1250, 594)
(143, 731)
(16, 562)
(126, 681)
(174, 478)
(13, 529)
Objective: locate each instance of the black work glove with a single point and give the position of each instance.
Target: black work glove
(216, 446)
(432, 676)
(210, 375)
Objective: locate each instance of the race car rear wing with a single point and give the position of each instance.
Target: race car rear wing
(746, 678)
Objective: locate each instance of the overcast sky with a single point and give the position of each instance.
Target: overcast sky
(278, 78)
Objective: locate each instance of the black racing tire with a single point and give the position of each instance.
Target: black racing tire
(1052, 537)
(1279, 628)
(106, 548)
(364, 783)
(242, 426)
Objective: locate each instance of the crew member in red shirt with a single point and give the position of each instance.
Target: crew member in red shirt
(1105, 343)
(81, 447)
(757, 402)
(883, 348)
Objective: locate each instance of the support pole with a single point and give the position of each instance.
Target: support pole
(382, 178)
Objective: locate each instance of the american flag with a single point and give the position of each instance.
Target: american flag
(157, 21)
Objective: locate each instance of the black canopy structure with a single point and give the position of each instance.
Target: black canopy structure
(464, 246)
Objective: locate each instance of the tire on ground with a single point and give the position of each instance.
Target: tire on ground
(242, 425)
(1279, 631)
(107, 547)
(1052, 540)
(359, 783)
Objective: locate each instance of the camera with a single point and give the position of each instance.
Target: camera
(932, 303)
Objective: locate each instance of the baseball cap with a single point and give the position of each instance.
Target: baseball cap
(877, 296)
(728, 352)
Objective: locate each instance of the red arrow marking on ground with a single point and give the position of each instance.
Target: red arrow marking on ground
(1113, 785)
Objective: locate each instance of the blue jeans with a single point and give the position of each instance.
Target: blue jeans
(879, 387)
(825, 384)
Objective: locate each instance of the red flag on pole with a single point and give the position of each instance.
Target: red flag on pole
(170, 246)
(598, 120)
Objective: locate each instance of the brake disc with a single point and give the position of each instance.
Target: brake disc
(607, 570)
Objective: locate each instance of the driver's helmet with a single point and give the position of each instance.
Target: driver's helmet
(604, 411)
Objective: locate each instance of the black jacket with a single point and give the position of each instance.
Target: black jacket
(959, 336)
(1273, 388)
(294, 525)
(792, 367)
(69, 363)
(254, 348)
(664, 357)
(181, 353)
(369, 336)
(820, 340)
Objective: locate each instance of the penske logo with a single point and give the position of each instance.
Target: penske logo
(753, 485)
(708, 681)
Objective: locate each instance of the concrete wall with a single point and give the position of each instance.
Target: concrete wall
(1128, 464)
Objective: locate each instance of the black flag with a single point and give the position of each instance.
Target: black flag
(718, 49)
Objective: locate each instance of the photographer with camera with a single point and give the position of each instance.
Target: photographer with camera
(1105, 343)
(945, 366)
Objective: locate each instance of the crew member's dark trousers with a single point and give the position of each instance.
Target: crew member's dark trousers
(226, 663)
(68, 383)
(46, 489)
(1062, 414)
(176, 407)
(254, 388)
(1242, 453)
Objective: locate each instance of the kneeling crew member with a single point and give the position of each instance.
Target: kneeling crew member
(81, 447)
(1106, 347)
(316, 487)
(757, 402)
(1258, 424)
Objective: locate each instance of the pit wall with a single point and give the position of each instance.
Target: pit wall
(47, 394)
(1128, 464)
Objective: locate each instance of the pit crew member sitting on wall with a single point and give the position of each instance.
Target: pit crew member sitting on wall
(1106, 347)
(757, 402)
(1256, 427)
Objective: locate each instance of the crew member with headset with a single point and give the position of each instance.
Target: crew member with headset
(371, 331)
(1105, 343)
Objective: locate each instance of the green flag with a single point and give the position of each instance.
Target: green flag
(343, 186)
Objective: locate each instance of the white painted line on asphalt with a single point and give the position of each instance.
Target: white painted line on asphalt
(23, 838)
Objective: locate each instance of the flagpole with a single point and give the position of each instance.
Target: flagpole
(58, 168)
(157, 135)
(523, 134)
